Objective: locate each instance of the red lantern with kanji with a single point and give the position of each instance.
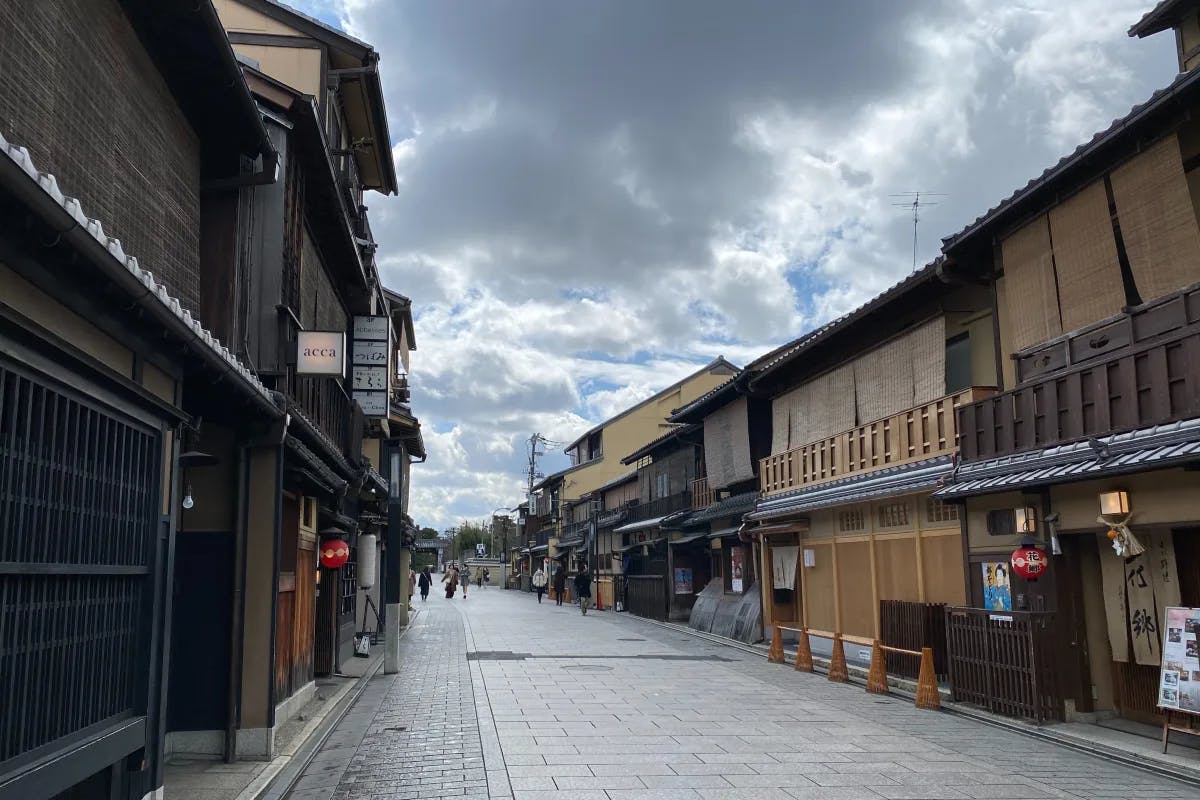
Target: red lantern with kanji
(1029, 562)
(334, 553)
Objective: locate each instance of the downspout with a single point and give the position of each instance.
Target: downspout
(237, 621)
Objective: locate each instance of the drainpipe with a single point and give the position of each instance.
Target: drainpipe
(237, 621)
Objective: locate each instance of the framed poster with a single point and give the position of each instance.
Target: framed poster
(737, 567)
(1179, 680)
(683, 580)
(997, 591)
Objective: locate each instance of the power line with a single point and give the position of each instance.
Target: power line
(913, 201)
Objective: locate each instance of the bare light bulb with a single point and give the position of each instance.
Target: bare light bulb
(188, 502)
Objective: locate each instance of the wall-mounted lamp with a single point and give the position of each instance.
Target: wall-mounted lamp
(1115, 503)
(1026, 519)
(188, 501)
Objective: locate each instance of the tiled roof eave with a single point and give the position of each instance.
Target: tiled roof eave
(1156, 447)
(893, 481)
(155, 293)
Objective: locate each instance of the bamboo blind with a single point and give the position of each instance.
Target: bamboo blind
(814, 410)
(928, 355)
(1031, 290)
(1158, 222)
(909, 370)
(1085, 259)
(727, 445)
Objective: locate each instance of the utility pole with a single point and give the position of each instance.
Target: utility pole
(397, 559)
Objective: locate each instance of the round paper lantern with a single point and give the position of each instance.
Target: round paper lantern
(334, 553)
(1029, 562)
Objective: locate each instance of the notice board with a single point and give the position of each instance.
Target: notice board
(1179, 680)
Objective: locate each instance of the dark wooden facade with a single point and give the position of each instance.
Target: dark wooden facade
(1135, 371)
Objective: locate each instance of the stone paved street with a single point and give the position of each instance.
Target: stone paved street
(503, 698)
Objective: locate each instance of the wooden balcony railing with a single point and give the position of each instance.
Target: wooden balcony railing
(1150, 383)
(918, 433)
(660, 507)
(327, 405)
(702, 496)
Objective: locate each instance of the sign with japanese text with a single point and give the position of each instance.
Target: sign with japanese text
(371, 359)
(1134, 591)
(321, 353)
(369, 379)
(1179, 679)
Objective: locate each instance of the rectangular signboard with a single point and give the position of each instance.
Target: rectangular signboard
(376, 328)
(369, 379)
(373, 354)
(373, 404)
(321, 353)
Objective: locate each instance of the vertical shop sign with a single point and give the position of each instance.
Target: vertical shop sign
(371, 365)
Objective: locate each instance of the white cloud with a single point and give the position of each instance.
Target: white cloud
(594, 204)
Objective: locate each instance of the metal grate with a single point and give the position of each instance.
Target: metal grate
(348, 579)
(78, 515)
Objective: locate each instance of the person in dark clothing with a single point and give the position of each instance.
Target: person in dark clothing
(425, 580)
(560, 584)
(583, 588)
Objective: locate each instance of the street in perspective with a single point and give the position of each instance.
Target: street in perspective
(661, 400)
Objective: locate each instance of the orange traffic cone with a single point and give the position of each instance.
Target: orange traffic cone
(927, 688)
(775, 654)
(837, 662)
(877, 677)
(804, 653)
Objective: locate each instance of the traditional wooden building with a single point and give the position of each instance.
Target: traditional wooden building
(1095, 267)
(666, 470)
(711, 547)
(862, 432)
(101, 351)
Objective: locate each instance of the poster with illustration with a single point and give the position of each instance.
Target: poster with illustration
(683, 580)
(997, 593)
(736, 567)
(1178, 687)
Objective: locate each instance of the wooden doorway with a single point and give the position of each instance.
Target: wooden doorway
(295, 622)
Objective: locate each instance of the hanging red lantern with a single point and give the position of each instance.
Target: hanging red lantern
(334, 553)
(1029, 562)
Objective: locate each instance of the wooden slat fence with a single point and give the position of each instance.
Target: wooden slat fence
(912, 626)
(646, 596)
(1004, 662)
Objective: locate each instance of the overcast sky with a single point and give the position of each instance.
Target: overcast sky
(596, 198)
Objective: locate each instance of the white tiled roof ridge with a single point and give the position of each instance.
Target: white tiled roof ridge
(20, 156)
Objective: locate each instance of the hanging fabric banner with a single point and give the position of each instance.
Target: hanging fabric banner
(1136, 593)
(783, 566)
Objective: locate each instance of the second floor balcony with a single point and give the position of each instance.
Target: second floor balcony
(1140, 370)
(660, 506)
(702, 495)
(926, 431)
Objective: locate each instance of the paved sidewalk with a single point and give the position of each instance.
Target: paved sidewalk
(500, 697)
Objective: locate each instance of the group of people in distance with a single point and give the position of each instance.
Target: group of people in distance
(453, 578)
(582, 581)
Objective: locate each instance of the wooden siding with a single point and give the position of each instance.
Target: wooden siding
(1150, 378)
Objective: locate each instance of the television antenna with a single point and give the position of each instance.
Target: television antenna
(914, 202)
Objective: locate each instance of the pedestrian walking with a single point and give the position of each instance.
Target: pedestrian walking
(560, 584)
(412, 585)
(487, 577)
(539, 583)
(425, 580)
(451, 581)
(479, 577)
(583, 588)
(466, 579)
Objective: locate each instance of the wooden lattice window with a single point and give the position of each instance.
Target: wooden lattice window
(937, 511)
(855, 520)
(893, 515)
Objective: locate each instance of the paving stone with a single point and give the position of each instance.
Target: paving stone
(582, 717)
